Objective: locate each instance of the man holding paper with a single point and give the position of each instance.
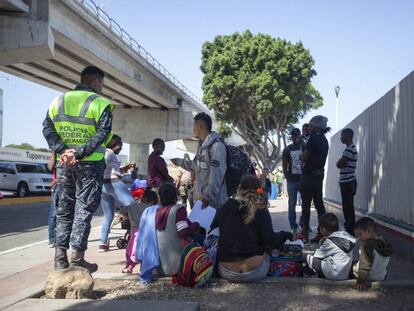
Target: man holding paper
(209, 164)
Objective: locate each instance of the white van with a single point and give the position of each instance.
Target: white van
(24, 178)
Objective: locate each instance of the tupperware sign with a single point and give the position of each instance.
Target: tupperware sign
(11, 154)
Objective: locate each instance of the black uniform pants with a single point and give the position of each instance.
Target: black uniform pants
(311, 189)
(348, 191)
(79, 189)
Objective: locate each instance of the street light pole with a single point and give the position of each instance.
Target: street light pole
(337, 90)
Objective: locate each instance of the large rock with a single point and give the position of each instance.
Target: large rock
(71, 283)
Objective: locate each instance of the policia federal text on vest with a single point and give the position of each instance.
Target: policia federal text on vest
(75, 115)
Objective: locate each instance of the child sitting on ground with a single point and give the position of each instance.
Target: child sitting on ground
(333, 259)
(134, 213)
(374, 254)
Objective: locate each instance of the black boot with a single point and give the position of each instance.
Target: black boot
(61, 259)
(77, 260)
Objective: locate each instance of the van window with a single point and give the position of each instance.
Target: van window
(31, 168)
(6, 168)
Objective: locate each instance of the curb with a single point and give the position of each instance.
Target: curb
(31, 292)
(28, 200)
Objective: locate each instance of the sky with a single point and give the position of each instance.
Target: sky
(365, 47)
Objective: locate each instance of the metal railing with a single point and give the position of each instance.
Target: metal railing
(103, 17)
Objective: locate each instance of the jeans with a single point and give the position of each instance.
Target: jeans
(348, 191)
(52, 216)
(111, 193)
(279, 189)
(311, 189)
(254, 275)
(293, 188)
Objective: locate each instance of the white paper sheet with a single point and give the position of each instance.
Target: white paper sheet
(204, 216)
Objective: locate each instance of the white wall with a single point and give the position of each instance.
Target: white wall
(384, 137)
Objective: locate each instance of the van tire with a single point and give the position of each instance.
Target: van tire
(22, 190)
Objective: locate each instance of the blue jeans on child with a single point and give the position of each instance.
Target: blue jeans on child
(52, 216)
(293, 188)
(115, 192)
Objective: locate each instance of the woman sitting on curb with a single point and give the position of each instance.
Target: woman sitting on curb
(245, 230)
(173, 229)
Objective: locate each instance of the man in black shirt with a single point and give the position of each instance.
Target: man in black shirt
(292, 169)
(314, 158)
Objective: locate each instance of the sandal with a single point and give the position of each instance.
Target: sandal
(127, 270)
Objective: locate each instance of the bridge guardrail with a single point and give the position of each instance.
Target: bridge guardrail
(107, 21)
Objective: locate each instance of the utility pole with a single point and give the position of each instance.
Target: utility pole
(337, 90)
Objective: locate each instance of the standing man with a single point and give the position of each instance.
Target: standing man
(265, 180)
(157, 168)
(292, 169)
(279, 181)
(209, 164)
(77, 127)
(314, 158)
(347, 178)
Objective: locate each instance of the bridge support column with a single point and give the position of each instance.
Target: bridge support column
(137, 126)
(139, 153)
(26, 37)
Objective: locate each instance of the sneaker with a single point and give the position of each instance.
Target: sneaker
(308, 272)
(103, 248)
(317, 238)
(51, 245)
(295, 231)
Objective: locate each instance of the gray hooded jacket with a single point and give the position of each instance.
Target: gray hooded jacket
(336, 255)
(209, 167)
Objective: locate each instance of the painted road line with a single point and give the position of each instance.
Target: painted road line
(32, 244)
(27, 200)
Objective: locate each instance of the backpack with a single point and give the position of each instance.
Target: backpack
(195, 267)
(286, 262)
(238, 165)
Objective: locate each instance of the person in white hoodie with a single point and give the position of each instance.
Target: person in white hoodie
(374, 254)
(333, 258)
(209, 164)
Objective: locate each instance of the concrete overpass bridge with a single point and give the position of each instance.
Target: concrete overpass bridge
(50, 41)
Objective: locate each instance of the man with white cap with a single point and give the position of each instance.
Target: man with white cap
(314, 158)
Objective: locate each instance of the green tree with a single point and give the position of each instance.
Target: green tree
(224, 130)
(259, 85)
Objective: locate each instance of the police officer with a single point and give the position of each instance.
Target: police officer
(77, 127)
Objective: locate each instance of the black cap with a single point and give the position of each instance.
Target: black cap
(295, 131)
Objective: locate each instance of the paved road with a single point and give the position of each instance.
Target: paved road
(27, 223)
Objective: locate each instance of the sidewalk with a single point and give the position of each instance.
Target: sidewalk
(28, 268)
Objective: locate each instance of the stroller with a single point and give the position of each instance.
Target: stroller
(122, 243)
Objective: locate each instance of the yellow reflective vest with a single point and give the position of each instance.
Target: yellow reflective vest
(75, 115)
